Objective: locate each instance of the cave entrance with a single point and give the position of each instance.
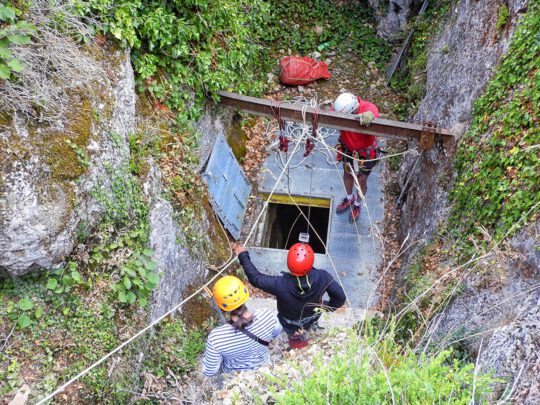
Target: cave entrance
(284, 222)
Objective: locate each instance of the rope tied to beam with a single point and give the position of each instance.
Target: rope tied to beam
(283, 140)
(314, 125)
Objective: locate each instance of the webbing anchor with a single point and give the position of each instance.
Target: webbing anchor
(428, 134)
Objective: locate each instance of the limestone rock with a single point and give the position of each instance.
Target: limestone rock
(500, 310)
(500, 303)
(457, 77)
(46, 193)
(454, 80)
(392, 15)
(176, 266)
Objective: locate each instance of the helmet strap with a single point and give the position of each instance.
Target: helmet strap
(307, 279)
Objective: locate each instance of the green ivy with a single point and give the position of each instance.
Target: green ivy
(498, 160)
(502, 19)
(186, 50)
(291, 25)
(178, 350)
(12, 32)
(51, 327)
(125, 228)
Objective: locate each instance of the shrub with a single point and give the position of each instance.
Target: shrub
(184, 51)
(355, 374)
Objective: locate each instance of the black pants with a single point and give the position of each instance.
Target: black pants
(291, 327)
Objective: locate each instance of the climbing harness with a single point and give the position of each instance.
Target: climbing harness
(365, 154)
(303, 322)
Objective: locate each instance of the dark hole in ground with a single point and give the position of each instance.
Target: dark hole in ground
(285, 223)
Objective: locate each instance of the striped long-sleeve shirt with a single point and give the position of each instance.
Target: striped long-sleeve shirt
(231, 350)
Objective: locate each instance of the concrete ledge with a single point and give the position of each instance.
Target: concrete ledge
(342, 318)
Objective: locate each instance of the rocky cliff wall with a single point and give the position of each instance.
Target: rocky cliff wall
(50, 172)
(57, 179)
(393, 15)
(499, 302)
(178, 267)
(456, 75)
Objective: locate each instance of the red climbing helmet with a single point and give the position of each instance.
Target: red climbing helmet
(300, 259)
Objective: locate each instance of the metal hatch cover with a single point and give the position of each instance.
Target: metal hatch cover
(228, 186)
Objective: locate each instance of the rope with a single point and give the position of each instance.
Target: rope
(309, 147)
(387, 156)
(409, 176)
(175, 308)
(323, 243)
(294, 130)
(355, 223)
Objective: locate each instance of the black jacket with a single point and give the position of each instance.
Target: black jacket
(297, 297)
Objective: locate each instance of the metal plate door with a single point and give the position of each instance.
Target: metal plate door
(228, 186)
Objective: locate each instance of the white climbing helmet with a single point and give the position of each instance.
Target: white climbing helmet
(346, 103)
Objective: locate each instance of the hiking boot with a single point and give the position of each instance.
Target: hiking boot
(355, 214)
(344, 205)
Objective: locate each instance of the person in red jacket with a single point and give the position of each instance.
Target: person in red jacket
(358, 146)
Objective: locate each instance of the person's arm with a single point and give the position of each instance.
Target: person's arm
(256, 278)
(212, 360)
(336, 294)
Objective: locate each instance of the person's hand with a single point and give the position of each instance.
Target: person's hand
(341, 310)
(365, 118)
(238, 248)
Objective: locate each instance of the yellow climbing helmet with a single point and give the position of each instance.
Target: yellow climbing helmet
(230, 293)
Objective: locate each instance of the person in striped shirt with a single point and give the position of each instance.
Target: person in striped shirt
(242, 343)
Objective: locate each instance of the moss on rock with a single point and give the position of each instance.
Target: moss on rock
(237, 138)
(63, 150)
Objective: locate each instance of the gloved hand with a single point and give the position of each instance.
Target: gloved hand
(365, 118)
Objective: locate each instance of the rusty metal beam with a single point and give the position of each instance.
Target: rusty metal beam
(379, 127)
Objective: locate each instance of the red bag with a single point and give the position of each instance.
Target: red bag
(297, 71)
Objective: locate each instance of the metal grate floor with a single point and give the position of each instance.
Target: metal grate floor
(355, 251)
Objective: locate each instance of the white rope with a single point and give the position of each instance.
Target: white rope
(306, 130)
(356, 226)
(175, 308)
(296, 131)
(322, 242)
(298, 141)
